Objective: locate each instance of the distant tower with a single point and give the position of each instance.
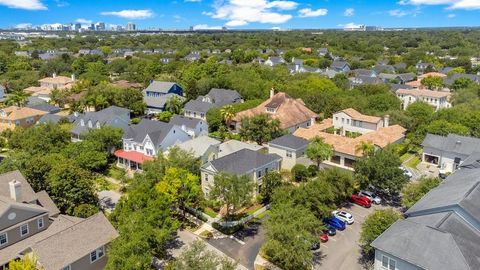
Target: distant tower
(131, 26)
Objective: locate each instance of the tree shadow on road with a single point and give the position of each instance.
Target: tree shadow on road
(318, 256)
(251, 230)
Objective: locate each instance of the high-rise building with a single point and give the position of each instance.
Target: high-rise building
(131, 26)
(100, 26)
(78, 26)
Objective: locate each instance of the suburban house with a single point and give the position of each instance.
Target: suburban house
(441, 231)
(204, 148)
(363, 79)
(144, 141)
(57, 82)
(199, 107)
(291, 149)
(158, 93)
(322, 52)
(348, 130)
(438, 99)
(13, 116)
(448, 152)
(448, 81)
(30, 223)
(340, 65)
(193, 56)
(405, 77)
(244, 162)
(232, 146)
(292, 113)
(192, 126)
(112, 116)
(422, 67)
(274, 61)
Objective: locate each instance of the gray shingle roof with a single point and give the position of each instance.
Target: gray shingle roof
(406, 77)
(28, 195)
(198, 105)
(289, 141)
(110, 116)
(451, 79)
(243, 161)
(180, 120)
(452, 143)
(45, 108)
(160, 87)
(221, 97)
(339, 64)
(159, 102)
(156, 130)
(198, 145)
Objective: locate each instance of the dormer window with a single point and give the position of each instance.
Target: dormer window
(98, 124)
(90, 123)
(271, 110)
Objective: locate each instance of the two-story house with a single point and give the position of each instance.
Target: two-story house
(292, 113)
(144, 141)
(204, 148)
(112, 116)
(247, 162)
(57, 82)
(351, 121)
(274, 61)
(290, 148)
(30, 223)
(340, 65)
(13, 117)
(437, 99)
(192, 126)
(199, 107)
(158, 93)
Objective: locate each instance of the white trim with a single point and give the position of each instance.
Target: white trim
(40, 220)
(6, 239)
(21, 231)
(68, 267)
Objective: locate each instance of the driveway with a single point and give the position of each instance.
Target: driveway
(108, 199)
(244, 245)
(342, 251)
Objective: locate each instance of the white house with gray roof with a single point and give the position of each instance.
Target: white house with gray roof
(204, 148)
(199, 107)
(192, 126)
(158, 93)
(441, 231)
(30, 223)
(448, 152)
(247, 162)
(291, 148)
(144, 141)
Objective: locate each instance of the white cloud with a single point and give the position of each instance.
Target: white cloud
(397, 13)
(350, 25)
(130, 13)
(451, 16)
(308, 12)
(84, 21)
(24, 4)
(349, 12)
(23, 25)
(452, 4)
(241, 12)
(206, 27)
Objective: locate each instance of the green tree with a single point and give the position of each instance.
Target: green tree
(365, 148)
(300, 172)
(164, 116)
(260, 129)
(319, 151)
(180, 187)
(414, 191)
(461, 83)
(233, 191)
(270, 182)
(85, 210)
(197, 257)
(420, 113)
(174, 105)
(28, 262)
(106, 138)
(89, 155)
(382, 171)
(228, 113)
(432, 82)
(17, 98)
(374, 225)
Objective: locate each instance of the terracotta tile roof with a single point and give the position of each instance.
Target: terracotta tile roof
(310, 133)
(424, 93)
(289, 111)
(57, 79)
(133, 156)
(381, 138)
(414, 84)
(431, 74)
(16, 113)
(36, 89)
(358, 116)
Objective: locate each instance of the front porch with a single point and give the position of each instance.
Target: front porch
(131, 161)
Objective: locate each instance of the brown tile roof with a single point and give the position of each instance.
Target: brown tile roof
(381, 138)
(361, 117)
(414, 84)
(431, 74)
(424, 93)
(310, 133)
(16, 113)
(36, 90)
(57, 79)
(289, 111)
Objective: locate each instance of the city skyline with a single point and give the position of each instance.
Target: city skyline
(238, 14)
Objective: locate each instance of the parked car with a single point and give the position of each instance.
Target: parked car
(406, 172)
(343, 216)
(361, 200)
(335, 222)
(371, 196)
(324, 237)
(315, 245)
(331, 231)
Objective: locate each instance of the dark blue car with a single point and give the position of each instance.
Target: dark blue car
(335, 222)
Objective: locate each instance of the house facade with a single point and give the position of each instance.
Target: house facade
(158, 93)
(57, 82)
(144, 141)
(30, 223)
(437, 99)
(112, 116)
(192, 126)
(204, 148)
(13, 117)
(245, 162)
(351, 121)
(199, 107)
(290, 148)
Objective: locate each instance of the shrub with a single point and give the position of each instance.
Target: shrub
(299, 173)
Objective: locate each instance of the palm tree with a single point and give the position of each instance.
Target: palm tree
(366, 148)
(17, 98)
(174, 105)
(319, 151)
(228, 113)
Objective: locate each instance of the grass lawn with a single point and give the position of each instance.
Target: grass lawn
(405, 157)
(209, 211)
(115, 173)
(413, 163)
(102, 184)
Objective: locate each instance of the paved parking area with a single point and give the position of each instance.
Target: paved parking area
(342, 251)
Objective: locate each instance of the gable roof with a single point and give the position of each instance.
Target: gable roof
(198, 146)
(57, 80)
(339, 64)
(289, 111)
(452, 143)
(160, 87)
(28, 195)
(161, 101)
(197, 105)
(424, 93)
(17, 113)
(243, 161)
(354, 114)
(221, 97)
(289, 141)
(156, 131)
(406, 77)
(180, 120)
(231, 146)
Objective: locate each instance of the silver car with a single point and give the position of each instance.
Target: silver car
(343, 216)
(371, 196)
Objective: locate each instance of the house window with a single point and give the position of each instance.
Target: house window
(17, 123)
(3, 239)
(24, 229)
(206, 177)
(388, 263)
(68, 267)
(40, 222)
(149, 152)
(289, 154)
(259, 174)
(97, 254)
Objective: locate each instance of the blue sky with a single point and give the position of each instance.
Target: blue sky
(244, 14)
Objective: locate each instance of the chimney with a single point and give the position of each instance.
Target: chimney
(73, 77)
(272, 92)
(15, 190)
(386, 120)
(54, 75)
